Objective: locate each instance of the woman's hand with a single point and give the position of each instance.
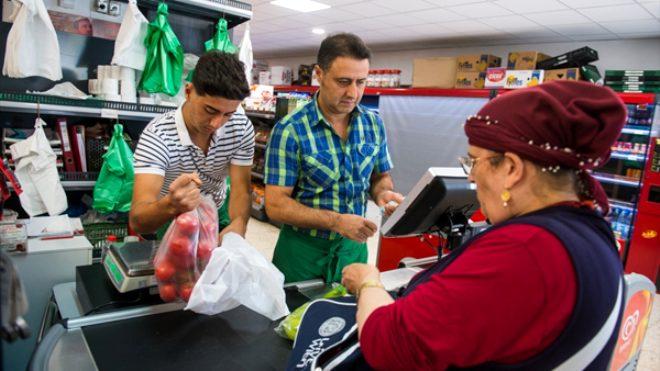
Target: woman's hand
(354, 275)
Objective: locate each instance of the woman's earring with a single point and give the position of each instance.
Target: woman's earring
(506, 197)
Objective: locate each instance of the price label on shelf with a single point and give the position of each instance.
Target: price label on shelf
(107, 113)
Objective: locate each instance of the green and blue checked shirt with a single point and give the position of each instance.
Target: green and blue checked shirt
(327, 173)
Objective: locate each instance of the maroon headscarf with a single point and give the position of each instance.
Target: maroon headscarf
(557, 125)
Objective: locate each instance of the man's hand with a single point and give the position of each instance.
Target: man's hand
(354, 275)
(184, 193)
(236, 226)
(389, 201)
(354, 227)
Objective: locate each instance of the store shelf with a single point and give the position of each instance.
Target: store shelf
(48, 105)
(262, 115)
(260, 145)
(628, 157)
(603, 178)
(422, 92)
(637, 98)
(628, 130)
(74, 185)
(622, 204)
(257, 175)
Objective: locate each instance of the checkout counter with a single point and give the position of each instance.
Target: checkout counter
(145, 333)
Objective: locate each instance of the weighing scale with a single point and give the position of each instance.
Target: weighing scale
(129, 265)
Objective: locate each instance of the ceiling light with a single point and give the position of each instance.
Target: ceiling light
(318, 31)
(304, 6)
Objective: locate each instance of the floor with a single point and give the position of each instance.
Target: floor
(263, 237)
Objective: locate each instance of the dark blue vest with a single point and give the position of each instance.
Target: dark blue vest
(589, 241)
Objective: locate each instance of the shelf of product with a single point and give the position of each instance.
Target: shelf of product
(628, 157)
(262, 115)
(466, 93)
(260, 145)
(258, 208)
(257, 175)
(384, 78)
(49, 105)
(261, 135)
(616, 179)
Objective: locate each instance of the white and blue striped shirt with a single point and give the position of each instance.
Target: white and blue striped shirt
(165, 149)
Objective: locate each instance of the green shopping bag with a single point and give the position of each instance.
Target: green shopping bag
(220, 41)
(114, 188)
(164, 66)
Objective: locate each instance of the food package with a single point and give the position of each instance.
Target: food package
(288, 327)
(185, 251)
(518, 79)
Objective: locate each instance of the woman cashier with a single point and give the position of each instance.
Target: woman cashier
(533, 291)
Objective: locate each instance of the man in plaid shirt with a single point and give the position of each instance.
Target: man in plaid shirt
(322, 163)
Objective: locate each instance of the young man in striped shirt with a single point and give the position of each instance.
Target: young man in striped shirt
(323, 161)
(190, 151)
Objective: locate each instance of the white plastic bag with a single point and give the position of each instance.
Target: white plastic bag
(129, 45)
(33, 43)
(238, 274)
(36, 171)
(245, 53)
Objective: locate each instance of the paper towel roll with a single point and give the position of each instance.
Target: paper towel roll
(101, 72)
(93, 87)
(112, 97)
(110, 86)
(127, 74)
(115, 72)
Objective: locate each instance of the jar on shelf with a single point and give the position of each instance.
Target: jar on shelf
(370, 78)
(378, 78)
(396, 79)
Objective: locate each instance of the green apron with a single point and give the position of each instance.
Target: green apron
(302, 257)
(223, 217)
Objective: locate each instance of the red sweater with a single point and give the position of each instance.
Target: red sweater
(505, 299)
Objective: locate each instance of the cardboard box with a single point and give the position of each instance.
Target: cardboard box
(280, 75)
(470, 80)
(439, 72)
(518, 79)
(264, 78)
(525, 60)
(477, 62)
(562, 74)
(495, 77)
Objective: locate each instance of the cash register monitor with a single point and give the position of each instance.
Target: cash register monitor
(440, 195)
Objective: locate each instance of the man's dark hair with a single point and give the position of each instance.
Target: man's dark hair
(220, 74)
(341, 45)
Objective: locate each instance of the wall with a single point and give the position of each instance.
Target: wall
(614, 54)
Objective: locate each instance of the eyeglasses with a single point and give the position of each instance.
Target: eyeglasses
(467, 162)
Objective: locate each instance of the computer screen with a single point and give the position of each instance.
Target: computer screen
(440, 192)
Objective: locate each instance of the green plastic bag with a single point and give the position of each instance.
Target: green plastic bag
(164, 66)
(114, 188)
(220, 41)
(288, 328)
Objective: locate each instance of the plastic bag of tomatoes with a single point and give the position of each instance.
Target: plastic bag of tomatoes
(185, 251)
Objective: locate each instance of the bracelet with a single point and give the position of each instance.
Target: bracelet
(365, 284)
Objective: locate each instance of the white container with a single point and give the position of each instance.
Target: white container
(110, 87)
(264, 78)
(280, 75)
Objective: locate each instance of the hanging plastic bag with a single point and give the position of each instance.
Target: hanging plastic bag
(245, 53)
(114, 188)
(33, 43)
(164, 63)
(238, 274)
(36, 170)
(185, 251)
(129, 46)
(220, 41)
(289, 326)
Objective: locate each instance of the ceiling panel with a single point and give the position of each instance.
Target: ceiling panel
(479, 10)
(396, 24)
(617, 13)
(628, 27)
(558, 17)
(531, 6)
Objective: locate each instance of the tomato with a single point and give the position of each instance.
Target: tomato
(187, 223)
(184, 263)
(180, 247)
(204, 250)
(167, 292)
(185, 290)
(164, 270)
